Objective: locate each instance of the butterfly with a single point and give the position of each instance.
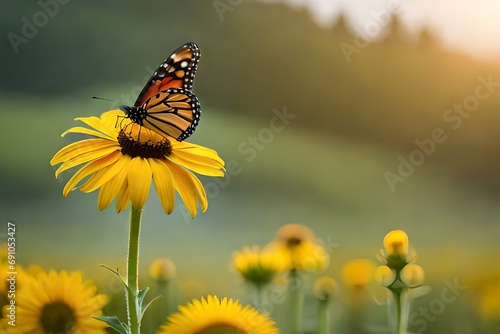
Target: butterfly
(166, 104)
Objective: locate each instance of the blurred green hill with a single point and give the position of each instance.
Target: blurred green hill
(257, 57)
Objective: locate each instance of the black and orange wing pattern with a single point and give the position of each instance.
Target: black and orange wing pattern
(177, 71)
(166, 104)
(174, 112)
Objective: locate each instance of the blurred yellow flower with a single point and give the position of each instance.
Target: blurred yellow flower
(384, 275)
(123, 158)
(412, 275)
(212, 315)
(58, 303)
(489, 303)
(12, 283)
(3, 252)
(358, 273)
(396, 243)
(325, 287)
(257, 266)
(298, 244)
(162, 270)
(487, 293)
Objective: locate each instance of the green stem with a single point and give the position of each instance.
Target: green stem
(323, 321)
(297, 301)
(397, 300)
(133, 271)
(163, 304)
(402, 308)
(258, 297)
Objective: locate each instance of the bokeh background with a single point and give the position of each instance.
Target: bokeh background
(360, 88)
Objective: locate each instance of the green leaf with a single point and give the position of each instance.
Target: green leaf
(114, 323)
(140, 301)
(115, 272)
(143, 310)
(130, 293)
(142, 295)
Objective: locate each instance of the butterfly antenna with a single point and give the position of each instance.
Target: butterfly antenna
(102, 99)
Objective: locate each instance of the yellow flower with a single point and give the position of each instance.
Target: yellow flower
(3, 252)
(123, 158)
(358, 273)
(259, 267)
(384, 275)
(162, 270)
(489, 302)
(325, 287)
(412, 275)
(396, 243)
(298, 244)
(213, 316)
(486, 289)
(58, 303)
(11, 283)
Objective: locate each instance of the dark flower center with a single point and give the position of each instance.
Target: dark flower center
(293, 242)
(220, 329)
(149, 149)
(57, 317)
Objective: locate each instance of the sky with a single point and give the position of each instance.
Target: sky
(472, 26)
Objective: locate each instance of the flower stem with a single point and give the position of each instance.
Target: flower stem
(133, 311)
(258, 296)
(402, 308)
(297, 301)
(163, 304)
(323, 321)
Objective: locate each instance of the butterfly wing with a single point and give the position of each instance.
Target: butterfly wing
(177, 71)
(174, 112)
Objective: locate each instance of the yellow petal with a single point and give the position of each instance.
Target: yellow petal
(396, 243)
(88, 169)
(139, 181)
(182, 183)
(201, 166)
(163, 184)
(123, 198)
(189, 188)
(104, 175)
(111, 115)
(198, 150)
(80, 147)
(111, 188)
(108, 124)
(86, 131)
(97, 153)
(201, 195)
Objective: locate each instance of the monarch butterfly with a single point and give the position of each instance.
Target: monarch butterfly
(166, 104)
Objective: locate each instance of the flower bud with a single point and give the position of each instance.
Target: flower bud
(396, 243)
(325, 287)
(412, 275)
(384, 275)
(162, 270)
